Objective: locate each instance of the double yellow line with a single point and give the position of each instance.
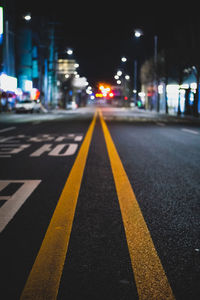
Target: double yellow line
(44, 279)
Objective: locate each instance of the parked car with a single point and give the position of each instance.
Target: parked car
(71, 105)
(28, 105)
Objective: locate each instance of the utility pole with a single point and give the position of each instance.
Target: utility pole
(135, 81)
(156, 72)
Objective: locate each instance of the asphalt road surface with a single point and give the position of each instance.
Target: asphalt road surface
(99, 207)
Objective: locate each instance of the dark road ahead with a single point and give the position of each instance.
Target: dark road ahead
(99, 207)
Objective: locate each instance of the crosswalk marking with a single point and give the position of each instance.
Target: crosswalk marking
(44, 279)
(150, 277)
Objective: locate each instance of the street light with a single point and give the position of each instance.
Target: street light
(119, 73)
(123, 59)
(138, 33)
(69, 51)
(27, 17)
(127, 77)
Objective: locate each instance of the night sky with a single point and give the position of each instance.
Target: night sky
(102, 32)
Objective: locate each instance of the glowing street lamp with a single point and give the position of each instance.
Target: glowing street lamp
(127, 77)
(69, 51)
(138, 33)
(27, 17)
(119, 73)
(123, 59)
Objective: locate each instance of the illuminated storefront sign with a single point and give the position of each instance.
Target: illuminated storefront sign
(8, 83)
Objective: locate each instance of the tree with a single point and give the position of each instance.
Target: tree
(148, 71)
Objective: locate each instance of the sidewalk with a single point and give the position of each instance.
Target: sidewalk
(140, 115)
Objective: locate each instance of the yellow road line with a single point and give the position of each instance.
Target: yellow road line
(150, 277)
(44, 279)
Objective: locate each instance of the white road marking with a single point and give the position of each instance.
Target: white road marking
(161, 124)
(6, 150)
(7, 129)
(15, 201)
(41, 150)
(4, 197)
(71, 149)
(78, 138)
(190, 131)
(6, 139)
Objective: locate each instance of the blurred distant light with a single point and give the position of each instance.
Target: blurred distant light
(173, 88)
(138, 33)
(160, 89)
(27, 17)
(184, 86)
(123, 59)
(18, 92)
(141, 94)
(66, 75)
(77, 76)
(119, 73)
(35, 94)
(8, 83)
(118, 81)
(80, 82)
(28, 85)
(127, 77)
(116, 77)
(89, 92)
(193, 85)
(98, 95)
(134, 91)
(172, 95)
(76, 65)
(69, 51)
(111, 95)
(125, 98)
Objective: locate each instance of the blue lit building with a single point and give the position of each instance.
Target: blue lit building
(8, 38)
